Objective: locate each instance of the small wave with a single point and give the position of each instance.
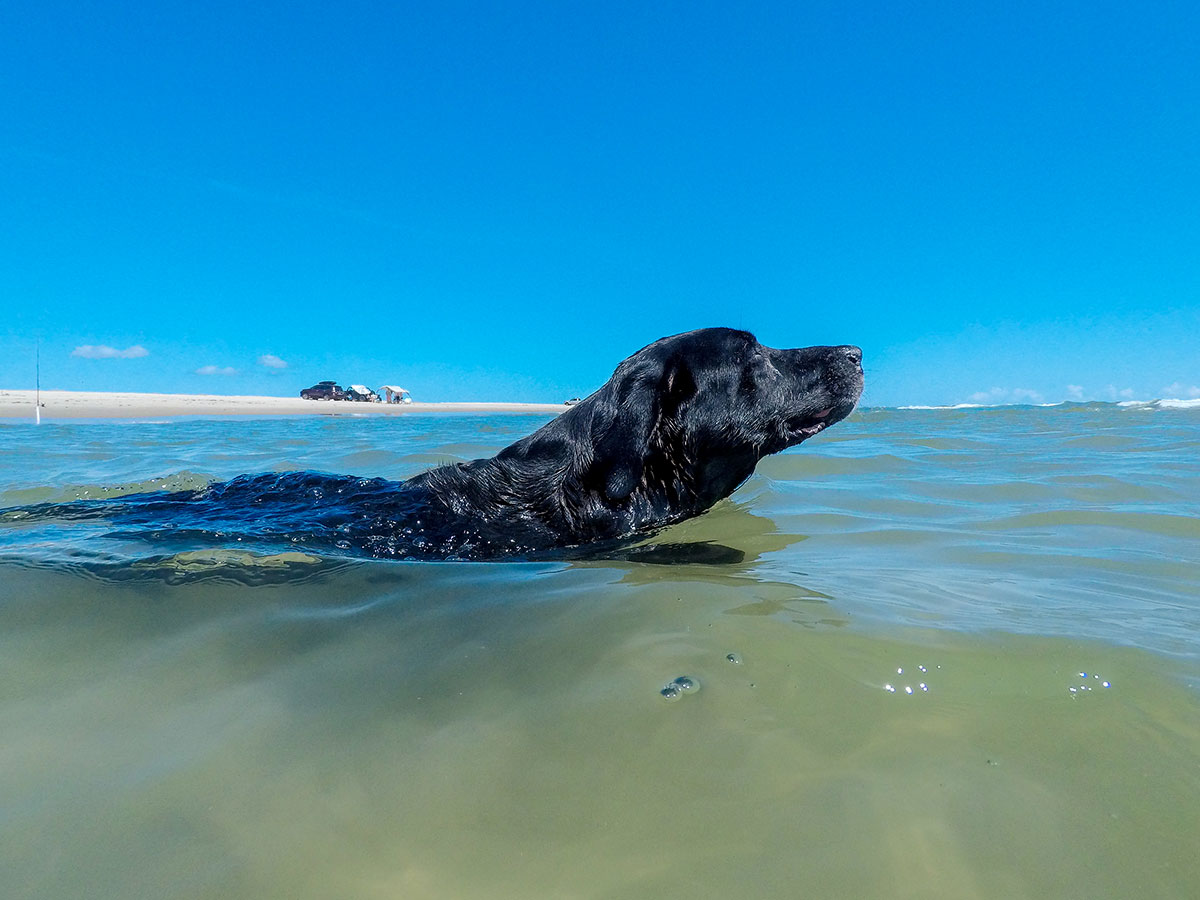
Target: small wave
(212, 565)
(954, 406)
(1164, 403)
(1165, 524)
(176, 481)
(1180, 404)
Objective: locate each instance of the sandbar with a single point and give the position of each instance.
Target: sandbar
(19, 404)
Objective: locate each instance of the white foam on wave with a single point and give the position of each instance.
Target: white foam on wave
(1165, 403)
(1123, 404)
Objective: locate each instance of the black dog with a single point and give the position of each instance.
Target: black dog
(679, 426)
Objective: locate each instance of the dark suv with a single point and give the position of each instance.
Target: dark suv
(324, 390)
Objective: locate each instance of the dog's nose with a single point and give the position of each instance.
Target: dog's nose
(852, 353)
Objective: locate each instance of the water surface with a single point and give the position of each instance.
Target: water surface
(958, 658)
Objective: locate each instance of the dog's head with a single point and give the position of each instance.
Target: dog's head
(694, 413)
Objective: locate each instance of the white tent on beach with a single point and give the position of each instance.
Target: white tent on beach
(393, 394)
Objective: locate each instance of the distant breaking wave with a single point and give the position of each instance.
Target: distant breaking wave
(1163, 404)
(1166, 403)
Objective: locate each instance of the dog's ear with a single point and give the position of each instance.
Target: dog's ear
(637, 403)
(622, 427)
(678, 386)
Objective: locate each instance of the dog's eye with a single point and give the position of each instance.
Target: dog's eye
(759, 362)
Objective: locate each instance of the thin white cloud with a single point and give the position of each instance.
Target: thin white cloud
(1115, 393)
(271, 361)
(1180, 391)
(103, 351)
(1075, 391)
(216, 370)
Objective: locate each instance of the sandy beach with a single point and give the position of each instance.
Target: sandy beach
(104, 405)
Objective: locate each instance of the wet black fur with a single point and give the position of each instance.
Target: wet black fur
(679, 426)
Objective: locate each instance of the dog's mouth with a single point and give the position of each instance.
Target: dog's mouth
(819, 421)
(802, 427)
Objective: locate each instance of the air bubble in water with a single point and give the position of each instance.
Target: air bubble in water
(678, 687)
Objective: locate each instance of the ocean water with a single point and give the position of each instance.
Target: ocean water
(947, 653)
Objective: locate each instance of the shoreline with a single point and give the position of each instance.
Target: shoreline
(57, 405)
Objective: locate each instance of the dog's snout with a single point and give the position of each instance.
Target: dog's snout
(852, 353)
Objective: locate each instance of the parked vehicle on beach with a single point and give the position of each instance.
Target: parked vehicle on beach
(323, 390)
(361, 393)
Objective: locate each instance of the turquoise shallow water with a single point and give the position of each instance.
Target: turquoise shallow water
(964, 664)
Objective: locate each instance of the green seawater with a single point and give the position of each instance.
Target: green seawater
(960, 657)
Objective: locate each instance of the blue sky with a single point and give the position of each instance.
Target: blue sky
(998, 202)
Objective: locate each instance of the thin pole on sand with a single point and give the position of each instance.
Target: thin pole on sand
(37, 383)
